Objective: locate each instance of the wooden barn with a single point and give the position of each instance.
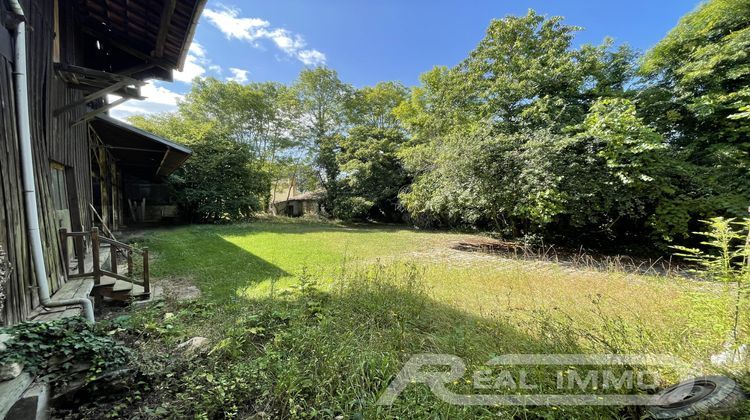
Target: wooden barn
(77, 52)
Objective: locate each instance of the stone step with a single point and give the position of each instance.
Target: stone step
(33, 404)
(11, 391)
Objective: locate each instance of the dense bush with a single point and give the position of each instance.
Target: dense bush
(372, 174)
(531, 135)
(220, 182)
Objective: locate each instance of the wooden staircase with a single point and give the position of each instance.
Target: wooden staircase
(112, 266)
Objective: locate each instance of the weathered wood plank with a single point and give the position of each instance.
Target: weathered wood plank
(53, 139)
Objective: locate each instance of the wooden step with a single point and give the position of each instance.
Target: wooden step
(73, 289)
(122, 286)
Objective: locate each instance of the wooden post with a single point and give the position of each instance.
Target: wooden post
(113, 258)
(95, 254)
(104, 185)
(130, 263)
(80, 244)
(64, 248)
(146, 275)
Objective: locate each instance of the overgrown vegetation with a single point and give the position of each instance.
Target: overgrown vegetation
(58, 348)
(728, 262)
(313, 320)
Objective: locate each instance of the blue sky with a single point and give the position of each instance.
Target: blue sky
(374, 40)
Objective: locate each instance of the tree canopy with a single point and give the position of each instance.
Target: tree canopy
(528, 135)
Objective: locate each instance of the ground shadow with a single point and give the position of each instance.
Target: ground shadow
(218, 267)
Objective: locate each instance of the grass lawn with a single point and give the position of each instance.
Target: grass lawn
(311, 319)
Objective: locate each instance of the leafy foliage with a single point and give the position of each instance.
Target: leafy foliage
(727, 260)
(320, 99)
(372, 173)
(697, 96)
(54, 348)
(528, 134)
(373, 106)
(221, 182)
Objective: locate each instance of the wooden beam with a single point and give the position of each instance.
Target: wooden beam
(134, 149)
(104, 188)
(67, 69)
(136, 69)
(190, 33)
(166, 19)
(98, 111)
(164, 159)
(91, 97)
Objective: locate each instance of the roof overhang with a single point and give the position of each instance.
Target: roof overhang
(138, 152)
(120, 45)
(130, 34)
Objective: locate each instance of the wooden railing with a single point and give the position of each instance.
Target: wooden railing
(97, 271)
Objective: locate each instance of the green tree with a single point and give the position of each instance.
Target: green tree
(221, 182)
(255, 114)
(373, 106)
(494, 141)
(319, 104)
(697, 94)
(372, 174)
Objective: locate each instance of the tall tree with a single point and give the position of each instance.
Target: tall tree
(320, 99)
(373, 106)
(373, 174)
(255, 114)
(697, 95)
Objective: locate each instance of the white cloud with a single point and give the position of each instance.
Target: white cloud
(238, 75)
(195, 65)
(197, 49)
(312, 57)
(158, 99)
(252, 30)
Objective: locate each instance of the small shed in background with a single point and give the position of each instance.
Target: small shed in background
(299, 205)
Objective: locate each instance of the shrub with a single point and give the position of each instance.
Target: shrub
(727, 261)
(54, 348)
(220, 182)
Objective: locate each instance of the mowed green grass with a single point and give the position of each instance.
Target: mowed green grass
(388, 292)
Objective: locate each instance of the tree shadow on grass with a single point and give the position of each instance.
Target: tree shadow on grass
(307, 227)
(218, 267)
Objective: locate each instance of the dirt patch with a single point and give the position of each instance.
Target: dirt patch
(487, 246)
(178, 288)
(579, 259)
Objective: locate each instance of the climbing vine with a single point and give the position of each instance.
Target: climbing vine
(62, 347)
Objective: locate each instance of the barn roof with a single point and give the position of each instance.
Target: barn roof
(154, 31)
(119, 44)
(139, 152)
